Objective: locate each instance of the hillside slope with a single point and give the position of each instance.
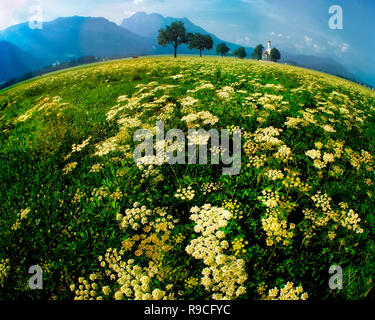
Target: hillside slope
(102, 227)
(74, 37)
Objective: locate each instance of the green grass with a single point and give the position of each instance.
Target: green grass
(74, 216)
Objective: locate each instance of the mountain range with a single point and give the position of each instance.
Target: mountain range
(23, 49)
(15, 61)
(74, 37)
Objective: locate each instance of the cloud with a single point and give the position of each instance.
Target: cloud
(129, 13)
(307, 45)
(332, 43)
(308, 40)
(246, 41)
(8, 11)
(344, 47)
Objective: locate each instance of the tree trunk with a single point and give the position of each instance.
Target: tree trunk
(175, 51)
(200, 52)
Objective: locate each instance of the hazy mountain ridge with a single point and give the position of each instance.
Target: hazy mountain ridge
(15, 62)
(74, 37)
(317, 63)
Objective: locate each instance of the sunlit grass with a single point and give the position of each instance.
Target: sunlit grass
(74, 202)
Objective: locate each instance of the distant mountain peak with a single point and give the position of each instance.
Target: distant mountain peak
(148, 25)
(144, 14)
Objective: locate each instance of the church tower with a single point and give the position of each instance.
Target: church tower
(269, 47)
(267, 53)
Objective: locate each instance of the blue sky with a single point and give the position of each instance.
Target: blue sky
(298, 26)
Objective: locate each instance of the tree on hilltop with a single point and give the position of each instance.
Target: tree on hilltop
(240, 53)
(174, 34)
(222, 49)
(201, 42)
(258, 52)
(275, 55)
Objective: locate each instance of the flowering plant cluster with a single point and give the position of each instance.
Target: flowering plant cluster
(103, 227)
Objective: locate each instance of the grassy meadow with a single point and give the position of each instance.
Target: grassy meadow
(73, 201)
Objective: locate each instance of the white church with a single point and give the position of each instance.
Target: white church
(266, 56)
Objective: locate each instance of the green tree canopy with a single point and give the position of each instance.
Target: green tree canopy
(258, 51)
(240, 53)
(275, 55)
(201, 42)
(174, 34)
(222, 49)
